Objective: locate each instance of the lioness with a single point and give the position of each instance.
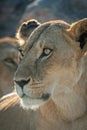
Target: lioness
(8, 63)
(51, 78)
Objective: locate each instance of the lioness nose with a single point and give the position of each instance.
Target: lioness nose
(22, 83)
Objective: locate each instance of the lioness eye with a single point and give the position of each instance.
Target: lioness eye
(10, 61)
(46, 52)
(21, 54)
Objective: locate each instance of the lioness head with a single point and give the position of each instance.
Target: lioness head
(53, 67)
(8, 64)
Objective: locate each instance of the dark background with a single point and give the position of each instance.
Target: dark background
(12, 12)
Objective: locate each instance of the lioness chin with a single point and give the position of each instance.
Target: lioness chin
(52, 76)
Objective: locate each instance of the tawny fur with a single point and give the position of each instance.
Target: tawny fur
(61, 74)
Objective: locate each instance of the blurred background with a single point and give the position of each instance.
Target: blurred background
(12, 12)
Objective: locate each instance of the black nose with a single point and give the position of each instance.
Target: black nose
(22, 83)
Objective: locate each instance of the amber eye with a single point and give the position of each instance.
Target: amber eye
(46, 52)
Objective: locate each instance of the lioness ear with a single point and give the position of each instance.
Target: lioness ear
(25, 29)
(78, 31)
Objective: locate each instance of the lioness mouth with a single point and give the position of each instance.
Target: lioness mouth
(43, 97)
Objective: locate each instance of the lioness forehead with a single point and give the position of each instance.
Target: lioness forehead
(46, 30)
(60, 23)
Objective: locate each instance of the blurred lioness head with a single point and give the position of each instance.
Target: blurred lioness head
(8, 64)
(53, 66)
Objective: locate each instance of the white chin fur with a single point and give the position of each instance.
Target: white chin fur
(28, 103)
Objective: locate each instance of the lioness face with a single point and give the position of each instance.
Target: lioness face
(50, 65)
(8, 64)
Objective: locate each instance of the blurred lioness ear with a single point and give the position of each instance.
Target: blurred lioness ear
(25, 29)
(78, 32)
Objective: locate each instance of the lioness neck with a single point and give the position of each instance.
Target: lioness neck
(49, 111)
(49, 117)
